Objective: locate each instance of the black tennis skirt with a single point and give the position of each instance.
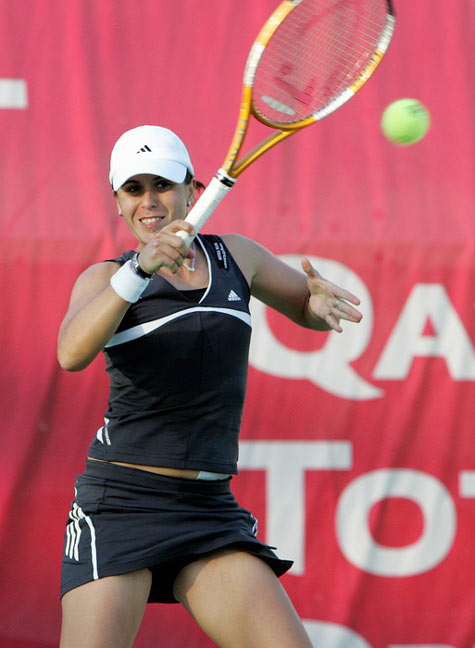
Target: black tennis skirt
(125, 519)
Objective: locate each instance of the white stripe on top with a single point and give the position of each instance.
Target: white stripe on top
(147, 327)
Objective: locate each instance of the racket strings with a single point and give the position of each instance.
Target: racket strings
(317, 52)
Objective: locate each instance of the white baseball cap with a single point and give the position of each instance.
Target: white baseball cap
(149, 149)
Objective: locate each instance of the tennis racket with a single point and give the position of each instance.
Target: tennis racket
(309, 58)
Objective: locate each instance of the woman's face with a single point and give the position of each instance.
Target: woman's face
(148, 203)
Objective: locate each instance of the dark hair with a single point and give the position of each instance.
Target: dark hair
(189, 177)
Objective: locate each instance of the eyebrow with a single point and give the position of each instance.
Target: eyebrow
(156, 177)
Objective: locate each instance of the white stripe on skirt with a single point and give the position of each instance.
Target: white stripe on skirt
(73, 536)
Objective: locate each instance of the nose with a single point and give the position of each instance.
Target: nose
(150, 199)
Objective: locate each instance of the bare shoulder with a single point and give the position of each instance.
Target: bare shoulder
(248, 254)
(237, 243)
(92, 281)
(99, 273)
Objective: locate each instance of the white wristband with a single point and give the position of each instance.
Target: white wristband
(127, 283)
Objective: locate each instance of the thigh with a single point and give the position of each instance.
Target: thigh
(105, 612)
(239, 602)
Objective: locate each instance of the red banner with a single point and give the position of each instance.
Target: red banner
(357, 450)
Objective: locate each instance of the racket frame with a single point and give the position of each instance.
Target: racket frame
(229, 166)
(227, 175)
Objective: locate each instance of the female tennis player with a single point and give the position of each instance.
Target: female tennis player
(153, 518)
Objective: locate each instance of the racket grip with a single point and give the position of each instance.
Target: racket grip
(207, 203)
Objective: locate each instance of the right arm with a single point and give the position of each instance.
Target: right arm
(95, 311)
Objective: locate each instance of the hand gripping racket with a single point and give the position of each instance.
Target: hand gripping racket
(309, 58)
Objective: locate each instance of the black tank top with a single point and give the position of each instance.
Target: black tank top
(178, 372)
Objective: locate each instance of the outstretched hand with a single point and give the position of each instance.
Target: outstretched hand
(328, 301)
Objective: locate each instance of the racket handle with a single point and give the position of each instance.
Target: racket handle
(207, 203)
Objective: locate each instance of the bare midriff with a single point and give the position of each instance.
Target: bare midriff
(158, 470)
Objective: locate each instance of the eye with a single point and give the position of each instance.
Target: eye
(131, 188)
(162, 184)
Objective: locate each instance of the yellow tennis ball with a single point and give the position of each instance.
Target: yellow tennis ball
(405, 121)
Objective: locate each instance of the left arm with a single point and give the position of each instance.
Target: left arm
(307, 299)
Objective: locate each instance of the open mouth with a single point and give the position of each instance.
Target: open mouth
(151, 221)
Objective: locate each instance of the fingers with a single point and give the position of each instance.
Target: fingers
(335, 290)
(343, 310)
(180, 225)
(334, 313)
(166, 249)
(334, 323)
(341, 293)
(309, 270)
(332, 303)
(170, 252)
(326, 306)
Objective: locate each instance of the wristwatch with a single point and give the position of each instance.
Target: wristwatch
(137, 269)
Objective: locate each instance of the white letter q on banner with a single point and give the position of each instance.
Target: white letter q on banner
(328, 367)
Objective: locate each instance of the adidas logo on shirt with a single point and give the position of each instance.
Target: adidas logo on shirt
(233, 296)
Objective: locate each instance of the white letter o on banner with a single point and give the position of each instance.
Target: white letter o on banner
(354, 536)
